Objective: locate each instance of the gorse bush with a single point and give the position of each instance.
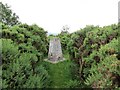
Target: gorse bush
(94, 49)
(64, 38)
(94, 53)
(92, 46)
(21, 53)
(27, 35)
(105, 74)
(104, 66)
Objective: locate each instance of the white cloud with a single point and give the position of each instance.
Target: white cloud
(53, 14)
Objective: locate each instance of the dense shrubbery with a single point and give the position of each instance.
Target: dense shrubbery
(95, 50)
(64, 38)
(24, 47)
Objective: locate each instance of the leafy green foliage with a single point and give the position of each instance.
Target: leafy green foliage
(94, 56)
(92, 46)
(64, 38)
(109, 63)
(21, 54)
(7, 16)
(105, 77)
(30, 38)
(72, 84)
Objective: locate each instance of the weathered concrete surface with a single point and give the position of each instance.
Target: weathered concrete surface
(55, 51)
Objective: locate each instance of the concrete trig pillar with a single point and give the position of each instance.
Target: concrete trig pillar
(55, 51)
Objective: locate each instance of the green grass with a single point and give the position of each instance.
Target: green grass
(60, 73)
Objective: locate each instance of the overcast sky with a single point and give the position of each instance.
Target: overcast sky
(52, 15)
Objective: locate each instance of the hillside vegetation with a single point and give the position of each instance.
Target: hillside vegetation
(95, 50)
(92, 56)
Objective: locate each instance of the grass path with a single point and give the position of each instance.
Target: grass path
(60, 73)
